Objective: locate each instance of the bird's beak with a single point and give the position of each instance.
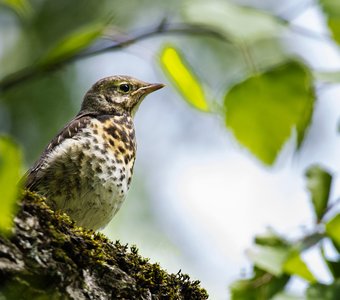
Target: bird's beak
(143, 91)
(147, 89)
(154, 87)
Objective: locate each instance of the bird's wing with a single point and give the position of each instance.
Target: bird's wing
(32, 176)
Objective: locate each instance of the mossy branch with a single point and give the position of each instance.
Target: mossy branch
(48, 257)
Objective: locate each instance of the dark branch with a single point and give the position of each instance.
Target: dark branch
(163, 28)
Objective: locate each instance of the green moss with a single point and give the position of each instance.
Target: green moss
(80, 261)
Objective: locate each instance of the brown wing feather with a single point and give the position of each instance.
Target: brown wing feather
(32, 176)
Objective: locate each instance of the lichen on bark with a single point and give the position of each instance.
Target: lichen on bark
(48, 257)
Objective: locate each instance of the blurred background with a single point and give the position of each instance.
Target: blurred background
(198, 197)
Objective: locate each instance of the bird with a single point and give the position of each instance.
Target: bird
(86, 169)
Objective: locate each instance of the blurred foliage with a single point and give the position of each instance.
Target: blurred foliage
(230, 20)
(274, 112)
(72, 44)
(275, 258)
(21, 7)
(10, 168)
(319, 183)
(333, 230)
(331, 10)
(183, 78)
(263, 95)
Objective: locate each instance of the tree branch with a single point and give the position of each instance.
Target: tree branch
(47, 257)
(163, 28)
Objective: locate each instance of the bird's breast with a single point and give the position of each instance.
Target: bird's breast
(96, 167)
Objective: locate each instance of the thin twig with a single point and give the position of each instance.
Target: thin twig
(163, 28)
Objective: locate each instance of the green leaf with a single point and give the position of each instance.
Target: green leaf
(10, 164)
(331, 9)
(261, 286)
(231, 19)
(319, 184)
(334, 267)
(333, 230)
(323, 292)
(263, 110)
(270, 238)
(72, 44)
(280, 260)
(294, 265)
(270, 259)
(184, 79)
(21, 7)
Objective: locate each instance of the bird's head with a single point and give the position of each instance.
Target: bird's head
(117, 94)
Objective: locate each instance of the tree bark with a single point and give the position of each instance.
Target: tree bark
(48, 257)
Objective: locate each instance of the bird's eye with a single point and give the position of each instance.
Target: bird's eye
(124, 87)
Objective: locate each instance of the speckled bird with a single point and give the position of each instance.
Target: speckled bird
(86, 169)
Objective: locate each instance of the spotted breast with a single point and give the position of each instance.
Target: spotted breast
(88, 173)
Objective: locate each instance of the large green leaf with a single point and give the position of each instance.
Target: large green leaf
(72, 44)
(319, 184)
(236, 22)
(263, 110)
(10, 164)
(183, 77)
(333, 230)
(331, 9)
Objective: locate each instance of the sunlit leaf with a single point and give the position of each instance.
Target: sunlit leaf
(236, 22)
(10, 164)
(270, 259)
(323, 292)
(333, 230)
(72, 44)
(319, 184)
(183, 77)
(21, 7)
(331, 9)
(263, 110)
(294, 265)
